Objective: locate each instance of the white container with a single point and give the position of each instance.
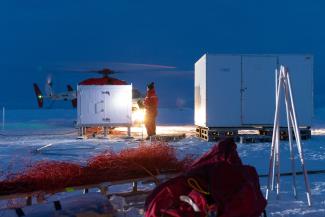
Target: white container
(239, 90)
(104, 105)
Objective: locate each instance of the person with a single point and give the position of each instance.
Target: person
(150, 104)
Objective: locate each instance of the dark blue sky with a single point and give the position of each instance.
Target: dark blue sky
(37, 37)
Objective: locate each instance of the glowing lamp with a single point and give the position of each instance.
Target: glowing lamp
(138, 115)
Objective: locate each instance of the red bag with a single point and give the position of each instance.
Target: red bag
(217, 184)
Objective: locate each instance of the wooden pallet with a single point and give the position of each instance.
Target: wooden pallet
(168, 137)
(263, 135)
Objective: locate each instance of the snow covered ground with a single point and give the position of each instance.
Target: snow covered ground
(27, 130)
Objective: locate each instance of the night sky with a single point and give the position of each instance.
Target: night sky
(39, 37)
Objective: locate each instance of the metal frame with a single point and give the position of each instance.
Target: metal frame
(83, 131)
(283, 81)
(103, 189)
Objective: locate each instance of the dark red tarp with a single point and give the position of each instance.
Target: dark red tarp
(223, 185)
(103, 81)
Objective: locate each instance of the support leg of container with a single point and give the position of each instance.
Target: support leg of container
(129, 131)
(105, 132)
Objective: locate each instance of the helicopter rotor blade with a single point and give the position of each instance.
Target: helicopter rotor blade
(114, 67)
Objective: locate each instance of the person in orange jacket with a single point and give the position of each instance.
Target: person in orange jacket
(151, 106)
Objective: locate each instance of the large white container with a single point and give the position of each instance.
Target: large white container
(239, 90)
(104, 105)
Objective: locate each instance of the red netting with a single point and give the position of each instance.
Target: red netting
(45, 176)
(50, 176)
(146, 160)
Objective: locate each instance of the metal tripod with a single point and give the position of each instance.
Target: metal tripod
(283, 81)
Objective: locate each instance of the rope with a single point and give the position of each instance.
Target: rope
(311, 172)
(196, 186)
(156, 180)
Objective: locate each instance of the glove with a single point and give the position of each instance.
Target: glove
(140, 104)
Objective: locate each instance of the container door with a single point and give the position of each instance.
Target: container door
(258, 90)
(301, 76)
(91, 106)
(118, 104)
(223, 83)
(96, 106)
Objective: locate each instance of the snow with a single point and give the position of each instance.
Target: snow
(28, 130)
(90, 205)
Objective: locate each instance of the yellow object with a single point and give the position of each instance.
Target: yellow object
(196, 186)
(69, 189)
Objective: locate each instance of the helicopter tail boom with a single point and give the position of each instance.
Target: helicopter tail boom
(39, 95)
(73, 101)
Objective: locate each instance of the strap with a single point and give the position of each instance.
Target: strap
(196, 186)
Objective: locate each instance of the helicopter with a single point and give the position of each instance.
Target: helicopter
(71, 94)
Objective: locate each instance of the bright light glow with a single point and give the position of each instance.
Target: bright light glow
(121, 97)
(200, 117)
(162, 130)
(138, 116)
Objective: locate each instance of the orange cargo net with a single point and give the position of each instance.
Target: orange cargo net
(51, 176)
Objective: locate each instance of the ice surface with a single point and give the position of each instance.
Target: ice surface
(28, 130)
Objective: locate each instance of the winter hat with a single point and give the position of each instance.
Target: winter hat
(151, 85)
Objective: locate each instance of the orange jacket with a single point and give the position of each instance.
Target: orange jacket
(151, 102)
